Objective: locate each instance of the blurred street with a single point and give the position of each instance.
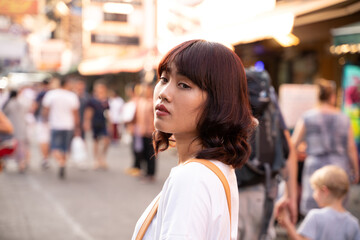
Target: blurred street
(88, 204)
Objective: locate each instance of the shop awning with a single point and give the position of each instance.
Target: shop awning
(116, 64)
(110, 64)
(349, 34)
(346, 39)
(276, 23)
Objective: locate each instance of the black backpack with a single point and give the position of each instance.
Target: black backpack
(269, 146)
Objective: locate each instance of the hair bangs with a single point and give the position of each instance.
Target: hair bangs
(189, 59)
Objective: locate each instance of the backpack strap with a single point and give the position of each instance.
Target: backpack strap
(213, 168)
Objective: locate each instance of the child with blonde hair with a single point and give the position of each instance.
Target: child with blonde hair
(332, 220)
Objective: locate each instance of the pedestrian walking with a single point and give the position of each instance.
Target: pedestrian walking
(16, 113)
(61, 109)
(329, 139)
(272, 153)
(84, 97)
(96, 120)
(128, 118)
(42, 127)
(332, 222)
(143, 129)
(201, 103)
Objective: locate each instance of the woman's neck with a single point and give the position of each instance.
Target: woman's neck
(187, 147)
(326, 106)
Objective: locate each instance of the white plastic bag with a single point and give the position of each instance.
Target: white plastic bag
(78, 151)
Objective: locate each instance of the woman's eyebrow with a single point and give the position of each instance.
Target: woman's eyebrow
(168, 70)
(179, 73)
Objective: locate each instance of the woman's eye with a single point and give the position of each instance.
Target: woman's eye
(183, 85)
(163, 80)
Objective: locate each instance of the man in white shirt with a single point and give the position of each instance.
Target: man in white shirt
(61, 108)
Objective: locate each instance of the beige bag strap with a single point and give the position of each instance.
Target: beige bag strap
(213, 168)
(147, 221)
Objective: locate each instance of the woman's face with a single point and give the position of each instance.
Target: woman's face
(178, 103)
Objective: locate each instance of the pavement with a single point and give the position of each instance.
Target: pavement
(88, 204)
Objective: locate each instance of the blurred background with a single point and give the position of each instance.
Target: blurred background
(294, 40)
(121, 42)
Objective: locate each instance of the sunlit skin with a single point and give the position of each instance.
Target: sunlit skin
(178, 105)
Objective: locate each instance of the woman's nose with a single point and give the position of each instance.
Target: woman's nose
(165, 93)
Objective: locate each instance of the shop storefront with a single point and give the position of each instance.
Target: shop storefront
(328, 47)
(346, 45)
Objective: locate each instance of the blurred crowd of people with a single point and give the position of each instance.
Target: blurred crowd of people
(58, 113)
(61, 109)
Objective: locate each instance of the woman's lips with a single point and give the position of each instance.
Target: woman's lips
(161, 110)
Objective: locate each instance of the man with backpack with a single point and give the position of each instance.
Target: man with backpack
(273, 157)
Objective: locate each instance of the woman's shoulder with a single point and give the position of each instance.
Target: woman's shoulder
(194, 182)
(310, 113)
(196, 173)
(315, 112)
(198, 166)
(342, 115)
(187, 181)
(189, 170)
(336, 113)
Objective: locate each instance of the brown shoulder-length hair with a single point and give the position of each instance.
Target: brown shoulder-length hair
(326, 89)
(226, 121)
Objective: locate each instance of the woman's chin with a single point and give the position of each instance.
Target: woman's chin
(160, 127)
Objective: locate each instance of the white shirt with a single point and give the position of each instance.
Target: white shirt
(128, 112)
(193, 205)
(61, 104)
(115, 109)
(26, 97)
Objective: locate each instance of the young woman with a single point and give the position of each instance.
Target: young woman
(201, 102)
